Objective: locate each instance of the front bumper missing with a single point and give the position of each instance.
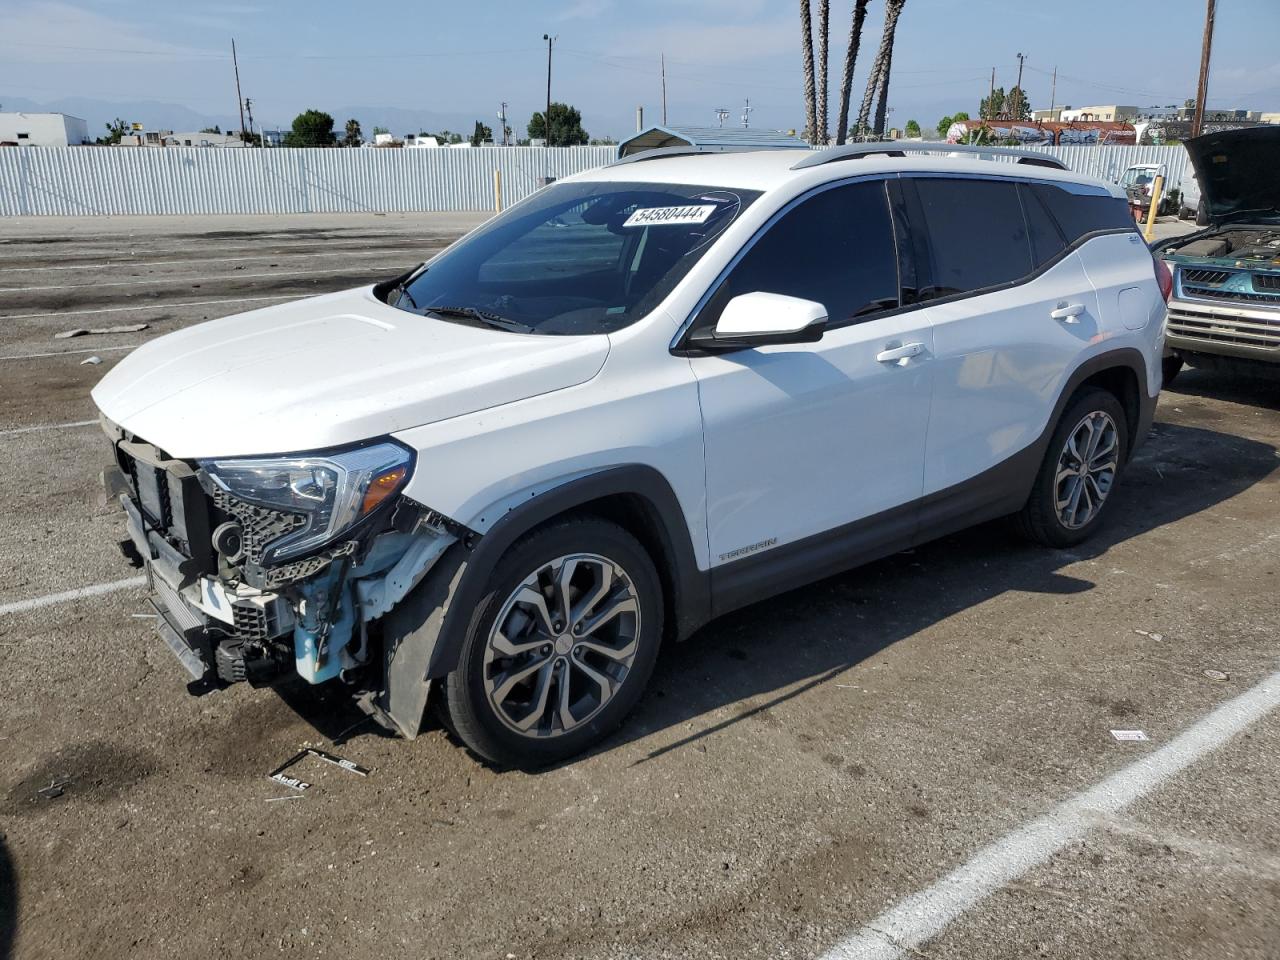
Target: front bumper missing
(218, 637)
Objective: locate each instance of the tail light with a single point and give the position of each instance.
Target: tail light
(1164, 277)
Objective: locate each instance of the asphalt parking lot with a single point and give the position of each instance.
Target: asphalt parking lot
(912, 759)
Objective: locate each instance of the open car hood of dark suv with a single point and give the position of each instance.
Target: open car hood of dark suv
(1238, 172)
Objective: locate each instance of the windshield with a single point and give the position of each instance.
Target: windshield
(576, 258)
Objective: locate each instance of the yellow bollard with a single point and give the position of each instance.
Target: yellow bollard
(497, 191)
(1156, 189)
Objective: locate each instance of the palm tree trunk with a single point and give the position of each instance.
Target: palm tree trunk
(890, 29)
(850, 59)
(823, 13)
(806, 52)
(879, 72)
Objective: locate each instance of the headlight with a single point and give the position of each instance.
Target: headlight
(330, 492)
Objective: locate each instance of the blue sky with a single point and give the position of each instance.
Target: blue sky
(459, 60)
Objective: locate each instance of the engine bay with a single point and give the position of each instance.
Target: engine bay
(1243, 248)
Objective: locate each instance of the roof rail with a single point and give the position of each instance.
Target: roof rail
(661, 153)
(853, 151)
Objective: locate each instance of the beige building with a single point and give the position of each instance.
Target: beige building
(1107, 112)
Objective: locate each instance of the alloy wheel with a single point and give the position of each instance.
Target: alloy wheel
(1086, 469)
(562, 645)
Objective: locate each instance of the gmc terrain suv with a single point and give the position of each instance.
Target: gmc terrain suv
(642, 397)
(1225, 310)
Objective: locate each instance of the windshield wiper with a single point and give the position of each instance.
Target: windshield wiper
(483, 317)
(401, 292)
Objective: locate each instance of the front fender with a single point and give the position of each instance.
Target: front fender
(423, 635)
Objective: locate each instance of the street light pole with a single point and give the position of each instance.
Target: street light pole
(546, 117)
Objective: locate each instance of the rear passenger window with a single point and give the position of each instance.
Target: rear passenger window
(835, 248)
(1046, 240)
(1079, 214)
(976, 233)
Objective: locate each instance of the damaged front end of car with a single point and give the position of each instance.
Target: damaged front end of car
(260, 567)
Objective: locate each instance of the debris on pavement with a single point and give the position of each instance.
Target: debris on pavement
(1157, 637)
(85, 331)
(1134, 735)
(1217, 676)
(56, 788)
(92, 360)
(279, 776)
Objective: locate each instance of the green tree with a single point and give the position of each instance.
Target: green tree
(214, 129)
(913, 128)
(115, 130)
(482, 134)
(380, 130)
(1017, 105)
(312, 128)
(352, 137)
(566, 126)
(989, 108)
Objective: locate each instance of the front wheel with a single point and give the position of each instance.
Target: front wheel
(1079, 471)
(564, 643)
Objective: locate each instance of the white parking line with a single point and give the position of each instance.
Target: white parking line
(902, 929)
(154, 306)
(47, 426)
(81, 593)
(388, 246)
(154, 281)
(66, 353)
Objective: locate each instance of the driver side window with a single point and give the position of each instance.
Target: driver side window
(836, 248)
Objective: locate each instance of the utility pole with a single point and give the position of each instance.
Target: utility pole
(546, 117)
(664, 89)
(239, 102)
(1016, 112)
(746, 112)
(1202, 88)
(248, 106)
(989, 113)
(1053, 90)
(502, 119)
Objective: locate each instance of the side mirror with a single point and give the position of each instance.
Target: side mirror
(757, 319)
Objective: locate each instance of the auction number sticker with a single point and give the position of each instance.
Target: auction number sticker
(656, 216)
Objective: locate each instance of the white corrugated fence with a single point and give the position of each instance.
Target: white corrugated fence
(125, 181)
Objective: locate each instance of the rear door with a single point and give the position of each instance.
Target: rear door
(1011, 309)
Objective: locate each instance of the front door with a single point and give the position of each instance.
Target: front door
(801, 440)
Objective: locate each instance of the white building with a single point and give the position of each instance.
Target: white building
(42, 130)
(1106, 112)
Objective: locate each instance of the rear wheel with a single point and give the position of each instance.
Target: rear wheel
(1079, 471)
(1170, 367)
(565, 641)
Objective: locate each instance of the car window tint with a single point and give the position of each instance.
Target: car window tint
(1078, 214)
(1046, 239)
(977, 235)
(835, 248)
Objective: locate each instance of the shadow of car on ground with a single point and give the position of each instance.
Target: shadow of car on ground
(812, 634)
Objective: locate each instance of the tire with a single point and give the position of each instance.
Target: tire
(1202, 214)
(1047, 517)
(1184, 213)
(1170, 367)
(513, 678)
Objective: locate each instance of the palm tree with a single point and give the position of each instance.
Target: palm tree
(806, 52)
(823, 12)
(850, 58)
(879, 77)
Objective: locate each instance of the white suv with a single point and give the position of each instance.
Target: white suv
(642, 397)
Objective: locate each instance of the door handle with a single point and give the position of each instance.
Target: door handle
(1068, 312)
(901, 354)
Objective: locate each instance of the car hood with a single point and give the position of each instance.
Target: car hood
(1236, 170)
(327, 371)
